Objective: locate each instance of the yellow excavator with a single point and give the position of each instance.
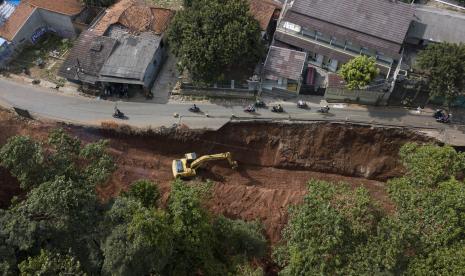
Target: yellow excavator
(185, 167)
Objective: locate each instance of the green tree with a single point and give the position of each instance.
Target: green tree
(237, 237)
(99, 164)
(61, 210)
(324, 232)
(145, 192)
(24, 158)
(359, 72)
(140, 242)
(191, 226)
(56, 214)
(430, 164)
(50, 264)
(444, 64)
(211, 36)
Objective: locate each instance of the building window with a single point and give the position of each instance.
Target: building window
(292, 27)
(337, 43)
(308, 32)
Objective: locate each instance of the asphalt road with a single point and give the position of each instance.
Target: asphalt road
(55, 105)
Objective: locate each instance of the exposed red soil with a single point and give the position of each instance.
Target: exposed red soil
(275, 162)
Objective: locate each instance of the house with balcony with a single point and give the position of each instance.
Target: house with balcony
(331, 32)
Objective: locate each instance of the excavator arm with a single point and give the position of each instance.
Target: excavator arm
(220, 156)
(186, 167)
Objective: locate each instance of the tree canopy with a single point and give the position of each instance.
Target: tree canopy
(209, 37)
(340, 231)
(444, 64)
(62, 228)
(359, 72)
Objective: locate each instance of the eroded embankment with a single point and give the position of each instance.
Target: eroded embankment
(275, 161)
(344, 149)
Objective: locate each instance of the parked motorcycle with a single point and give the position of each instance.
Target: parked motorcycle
(301, 104)
(259, 104)
(249, 109)
(277, 108)
(324, 109)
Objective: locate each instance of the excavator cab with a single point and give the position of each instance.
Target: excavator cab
(186, 167)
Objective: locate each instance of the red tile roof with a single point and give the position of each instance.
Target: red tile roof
(16, 20)
(27, 7)
(263, 11)
(66, 7)
(136, 17)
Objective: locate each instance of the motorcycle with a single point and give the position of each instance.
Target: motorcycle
(194, 109)
(259, 104)
(277, 108)
(119, 115)
(443, 119)
(302, 104)
(438, 113)
(249, 109)
(324, 109)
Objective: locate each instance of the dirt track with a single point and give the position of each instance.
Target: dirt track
(275, 162)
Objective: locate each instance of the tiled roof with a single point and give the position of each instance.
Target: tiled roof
(136, 17)
(67, 7)
(89, 53)
(112, 16)
(27, 7)
(285, 63)
(16, 20)
(263, 11)
(385, 19)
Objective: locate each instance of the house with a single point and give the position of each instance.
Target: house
(332, 32)
(266, 12)
(33, 18)
(124, 48)
(433, 25)
(283, 69)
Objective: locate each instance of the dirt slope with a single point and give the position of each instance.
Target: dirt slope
(275, 162)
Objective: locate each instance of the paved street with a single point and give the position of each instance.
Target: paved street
(55, 105)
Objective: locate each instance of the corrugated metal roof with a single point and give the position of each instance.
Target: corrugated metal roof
(131, 56)
(385, 19)
(285, 63)
(438, 25)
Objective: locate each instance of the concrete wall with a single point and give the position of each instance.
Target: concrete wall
(355, 96)
(154, 67)
(62, 24)
(33, 23)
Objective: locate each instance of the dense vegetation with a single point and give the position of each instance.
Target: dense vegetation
(444, 66)
(61, 227)
(209, 37)
(340, 231)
